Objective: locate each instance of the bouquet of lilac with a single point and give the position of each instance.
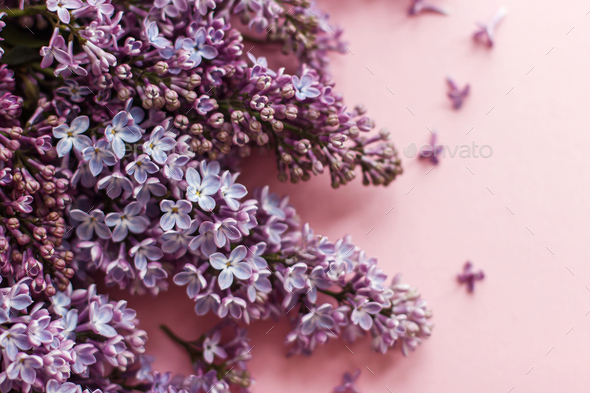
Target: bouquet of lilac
(122, 125)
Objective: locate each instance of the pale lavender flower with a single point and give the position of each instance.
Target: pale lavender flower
(208, 300)
(68, 387)
(231, 191)
(144, 251)
(319, 319)
(141, 167)
(68, 64)
(128, 221)
(152, 186)
(211, 348)
(203, 5)
(362, 311)
(38, 331)
(14, 340)
(115, 184)
(90, 223)
(171, 7)
(175, 214)
(119, 132)
(231, 266)
(72, 89)
(205, 241)
(348, 383)
(200, 191)
(154, 38)
(62, 7)
(158, 145)
(180, 239)
(232, 304)
(71, 136)
(174, 165)
(152, 274)
(24, 367)
(271, 203)
(432, 151)
(98, 155)
(193, 278)
(100, 317)
(304, 87)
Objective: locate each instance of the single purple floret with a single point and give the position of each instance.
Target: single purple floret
(432, 151)
(470, 276)
(455, 94)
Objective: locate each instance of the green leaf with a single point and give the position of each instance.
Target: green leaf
(20, 55)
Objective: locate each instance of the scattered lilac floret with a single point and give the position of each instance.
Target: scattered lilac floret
(470, 276)
(455, 94)
(486, 33)
(419, 6)
(348, 383)
(432, 151)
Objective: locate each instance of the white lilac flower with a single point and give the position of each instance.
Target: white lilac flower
(71, 136)
(90, 223)
(211, 348)
(98, 155)
(362, 311)
(100, 316)
(141, 167)
(144, 251)
(303, 87)
(14, 340)
(200, 191)
(158, 145)
(119, 132)
(128, 221)
(175, 214)
(230, 191)
(231, 266)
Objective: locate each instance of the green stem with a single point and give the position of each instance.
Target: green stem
(29, 10)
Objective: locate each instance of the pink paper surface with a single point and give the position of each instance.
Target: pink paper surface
(522, 215)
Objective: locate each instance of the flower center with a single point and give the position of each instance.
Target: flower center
(70, 134)
(174, 210)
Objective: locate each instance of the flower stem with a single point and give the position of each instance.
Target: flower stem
(29, 10)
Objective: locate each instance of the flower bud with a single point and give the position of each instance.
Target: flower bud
(161, 67)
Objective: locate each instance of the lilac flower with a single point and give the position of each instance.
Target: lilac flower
(180, 239)
(232, 305)
(141, 167)
(419, 6)
(153, 36)
(102, 8)
(193, 278)
(175, 214)
(70, 136)
(38, 331)
(62, 7)
(115, 184)
(152, 274)
(172, 10)
(455, 94)
(231, 266)
(303, 87)
(230, 190)
(68, 387)
(206, 241)
(72, 89)
(200, 192)
(152, 186)
(127, 221)
(158, 145)
(271, 203)
(119, 132)
(362, 311)
(319, 319)
(15, 339)
(211, 348)
(90, 223)
(198, 48)
(100, 316)
(470, 276)
(203, 5)
(348, 383)
(68, 64)
(174, 165)
(432, 151)
(98, 155)
(16, 298)
(24, 367)
(486, 33)
(144, 251)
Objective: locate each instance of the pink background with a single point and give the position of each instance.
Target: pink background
(515, 331)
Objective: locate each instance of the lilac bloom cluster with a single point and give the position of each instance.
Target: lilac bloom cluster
(75, 341)
(121, 126)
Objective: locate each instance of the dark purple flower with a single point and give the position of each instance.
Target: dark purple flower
(486, 32)
(470, 276)
(455, 94)
(432, 151)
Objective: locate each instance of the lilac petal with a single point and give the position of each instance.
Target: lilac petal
(365, 321)
(238, 254)
(372, 307)
(242, 270)
(208, 52)
(218, 261)
(206, 203)
(85, 231)
(226, 278)
(137, 224)
(210, 185)
(102, 230)
(120, 233)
